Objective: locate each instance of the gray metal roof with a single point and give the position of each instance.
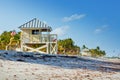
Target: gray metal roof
(35, 24)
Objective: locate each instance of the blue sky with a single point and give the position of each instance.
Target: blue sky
(90, 22)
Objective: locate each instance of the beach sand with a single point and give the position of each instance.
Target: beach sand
(57, 68)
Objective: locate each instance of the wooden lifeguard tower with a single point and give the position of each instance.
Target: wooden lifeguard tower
(36, 37)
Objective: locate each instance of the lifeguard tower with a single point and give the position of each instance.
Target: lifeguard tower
(36, 37)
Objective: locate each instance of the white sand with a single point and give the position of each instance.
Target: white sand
(56, 69)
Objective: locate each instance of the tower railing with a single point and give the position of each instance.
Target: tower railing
(42, 38)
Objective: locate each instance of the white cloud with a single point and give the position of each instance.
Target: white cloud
(73, 17)
(101, 29)
(60, 31)
(98, 30)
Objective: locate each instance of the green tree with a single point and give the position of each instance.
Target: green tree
(84, 47)
(98, 48)
(97, 52)
(67, 46)
(5, 38)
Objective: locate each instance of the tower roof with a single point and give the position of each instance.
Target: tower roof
(36, 24)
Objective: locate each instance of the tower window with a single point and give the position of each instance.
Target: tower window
(35, 32)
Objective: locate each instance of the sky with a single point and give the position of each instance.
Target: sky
(88, 22)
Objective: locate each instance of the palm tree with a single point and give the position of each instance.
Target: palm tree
(84, 47)
(98, 48)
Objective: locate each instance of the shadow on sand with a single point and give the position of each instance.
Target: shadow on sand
(61, 61)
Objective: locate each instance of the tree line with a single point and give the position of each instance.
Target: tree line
(96, 52)
(65, 46)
